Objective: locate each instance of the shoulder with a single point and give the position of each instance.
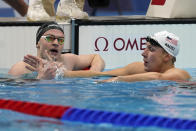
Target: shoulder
(69, 56)
(177, 70)
(18, 69)
(69, 60)
(20, 64)
(178, 74)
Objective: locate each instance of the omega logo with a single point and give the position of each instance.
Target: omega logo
(119, 44)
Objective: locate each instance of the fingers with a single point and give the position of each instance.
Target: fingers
(52, 73)
(114, 80)
(32, 60)
(48, 57)
(59, 65)
(29, 61)
(49, 73)
(30, 68)
(46, 68)
(34, 57)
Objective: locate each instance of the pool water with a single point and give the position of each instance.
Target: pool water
(161, 98)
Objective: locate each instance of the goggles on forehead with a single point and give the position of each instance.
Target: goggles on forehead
(50, 38)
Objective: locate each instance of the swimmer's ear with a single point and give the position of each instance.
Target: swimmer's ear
(38, 45)
(167, 57)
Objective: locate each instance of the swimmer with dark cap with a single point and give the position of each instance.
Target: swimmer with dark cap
(49, 59)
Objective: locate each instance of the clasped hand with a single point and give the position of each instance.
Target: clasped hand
(46, 68)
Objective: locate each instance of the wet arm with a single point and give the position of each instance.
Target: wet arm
(82, 73)
(173, 76)
(93, 61)
(136, 67)
(139, 77)
(97, 63)
(130, 69)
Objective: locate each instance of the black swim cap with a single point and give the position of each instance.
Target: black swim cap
(45, 27)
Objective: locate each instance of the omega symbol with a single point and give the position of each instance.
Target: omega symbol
(106, 44)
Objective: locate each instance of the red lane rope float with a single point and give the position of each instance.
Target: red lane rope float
(44, 110)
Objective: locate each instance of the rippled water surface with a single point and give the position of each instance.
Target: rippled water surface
(162, 98)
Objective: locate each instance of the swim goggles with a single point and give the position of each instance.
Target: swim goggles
(51, 38)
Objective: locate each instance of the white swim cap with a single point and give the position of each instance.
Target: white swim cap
(167, 41)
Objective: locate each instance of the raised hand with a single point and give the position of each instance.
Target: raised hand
(33, 62)
(47, 72)
(45, 69)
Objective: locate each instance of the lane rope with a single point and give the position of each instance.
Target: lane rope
(68, 113)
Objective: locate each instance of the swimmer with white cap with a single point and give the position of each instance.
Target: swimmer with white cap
(159, 57)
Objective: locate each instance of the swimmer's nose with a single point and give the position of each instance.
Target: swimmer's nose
(144, 53)
(55, 42)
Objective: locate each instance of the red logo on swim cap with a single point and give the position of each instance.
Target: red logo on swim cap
(158, 2)
(170, 40)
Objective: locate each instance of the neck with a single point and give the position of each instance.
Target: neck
(56, 59)
(38, 54)
(166, 67)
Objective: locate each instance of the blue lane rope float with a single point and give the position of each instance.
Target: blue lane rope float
(127, 119)
(68, 113)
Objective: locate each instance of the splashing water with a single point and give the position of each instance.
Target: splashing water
(59, 70)
(60, 73)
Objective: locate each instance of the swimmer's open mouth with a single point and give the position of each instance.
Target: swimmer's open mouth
(54, 50)
(145, 62)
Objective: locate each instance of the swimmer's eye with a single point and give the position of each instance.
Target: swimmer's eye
(150, 48)
(60, 41)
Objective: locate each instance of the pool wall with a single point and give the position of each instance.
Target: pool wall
(17, 38)
(119, 40)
